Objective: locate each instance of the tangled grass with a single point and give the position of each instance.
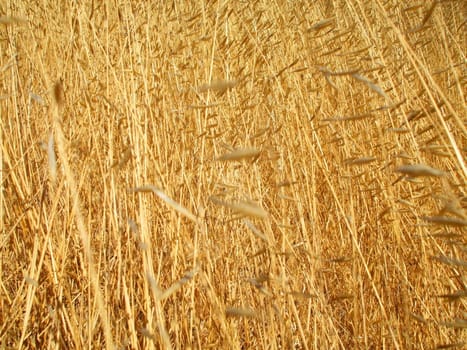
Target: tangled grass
(233, 175)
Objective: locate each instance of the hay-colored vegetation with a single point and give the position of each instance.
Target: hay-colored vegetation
(233, 174)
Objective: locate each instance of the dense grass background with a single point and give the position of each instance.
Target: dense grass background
(316, 240)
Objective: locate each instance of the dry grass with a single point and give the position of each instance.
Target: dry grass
(228, 174)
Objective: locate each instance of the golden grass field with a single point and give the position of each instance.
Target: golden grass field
(233, 174)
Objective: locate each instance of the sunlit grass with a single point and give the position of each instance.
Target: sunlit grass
(233, 175)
